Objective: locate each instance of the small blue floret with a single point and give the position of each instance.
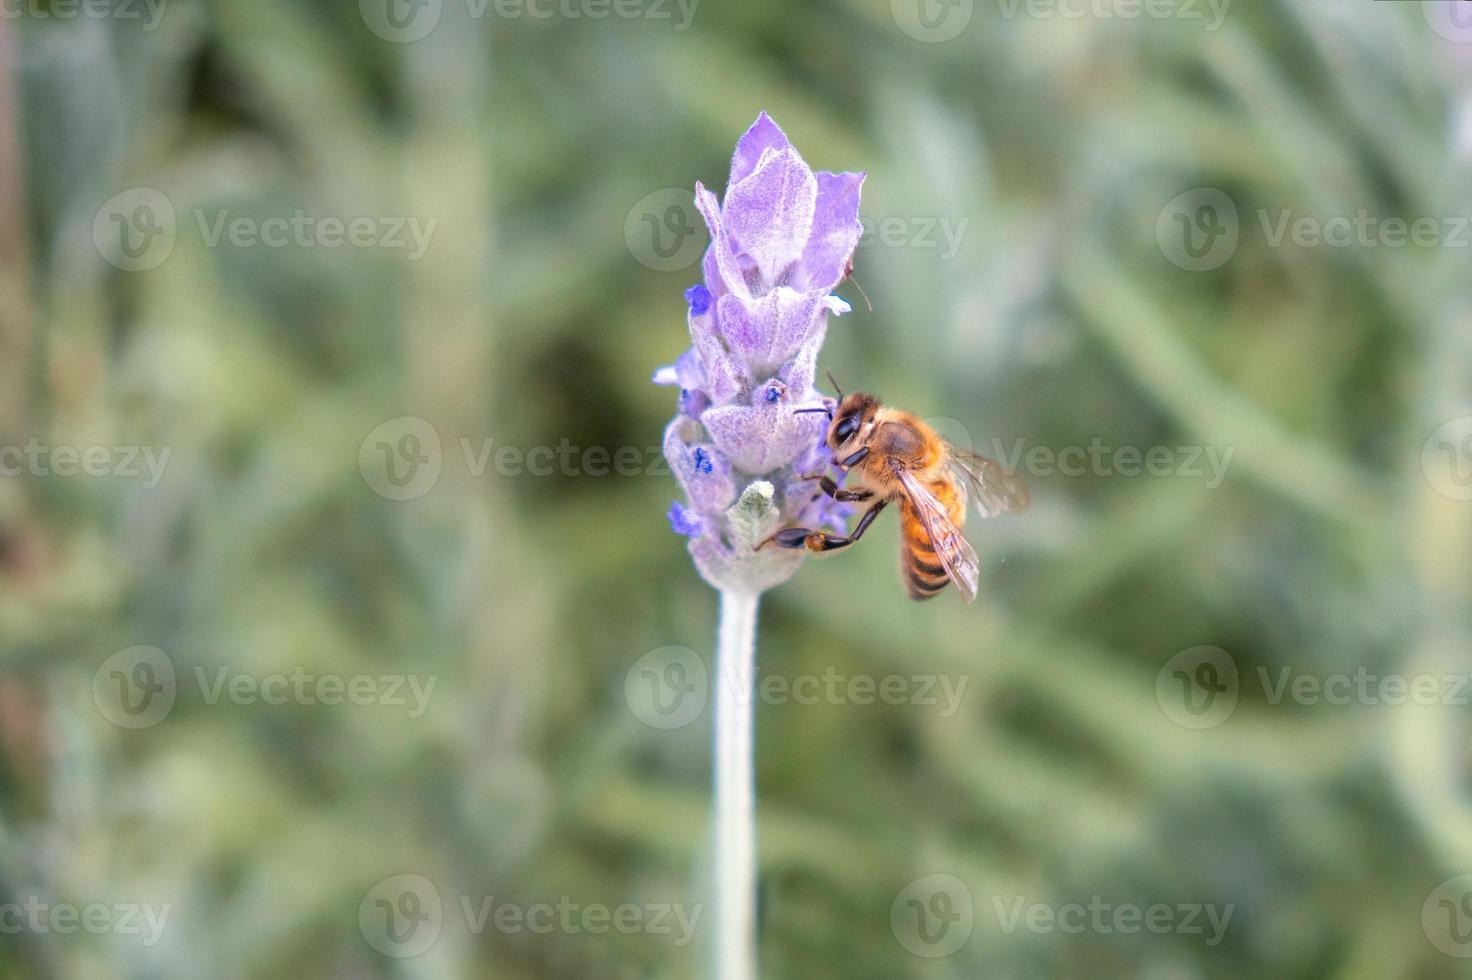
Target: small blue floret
(703, 462)
(685, 521)
(699, 299)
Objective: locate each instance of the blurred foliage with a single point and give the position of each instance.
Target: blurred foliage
(530, 321)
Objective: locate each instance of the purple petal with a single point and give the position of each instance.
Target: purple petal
(835, 231)
(770, 213)
(722, 371)
(729, 278)
(685, 372)
(766, 332)
(712, 558)
(693, 403)
(801, 368)
(701, 469)
(687, 369)
(760, 438)
(763, 135)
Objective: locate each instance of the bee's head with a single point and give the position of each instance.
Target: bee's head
(851, 418)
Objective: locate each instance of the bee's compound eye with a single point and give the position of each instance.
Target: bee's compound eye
(847, 426)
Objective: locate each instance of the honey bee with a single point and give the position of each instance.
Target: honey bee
(898, 457)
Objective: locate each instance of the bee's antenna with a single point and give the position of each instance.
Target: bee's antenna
(810, 411)
(861, 292)
(835, 385)
(848, 273)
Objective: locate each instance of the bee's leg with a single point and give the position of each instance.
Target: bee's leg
(803, 537)
(833, 490)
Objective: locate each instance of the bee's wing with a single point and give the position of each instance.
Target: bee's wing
(993, 489)
(951, 546)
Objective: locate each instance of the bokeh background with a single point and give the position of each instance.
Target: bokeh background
(1083, 300)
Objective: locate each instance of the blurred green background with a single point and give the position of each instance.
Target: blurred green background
(1071, 309)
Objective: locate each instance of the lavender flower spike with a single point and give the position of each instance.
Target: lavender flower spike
(780, 243)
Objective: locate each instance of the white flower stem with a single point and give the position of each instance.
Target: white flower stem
(735, 789)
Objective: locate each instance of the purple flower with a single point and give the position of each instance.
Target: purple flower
(780, 243)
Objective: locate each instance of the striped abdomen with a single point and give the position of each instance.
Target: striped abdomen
(925, 577)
